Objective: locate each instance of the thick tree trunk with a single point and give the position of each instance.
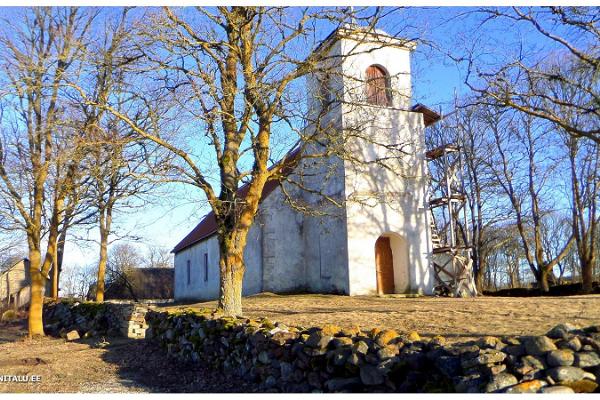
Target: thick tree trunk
(479, 275)
(587, 276)
(36, 304)
(60, 250)
(105, 222)
(231, 266)
(543, 280)
(230, 300)
(50, 260)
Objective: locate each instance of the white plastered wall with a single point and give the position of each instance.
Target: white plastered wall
(201, 289)
(382, 202)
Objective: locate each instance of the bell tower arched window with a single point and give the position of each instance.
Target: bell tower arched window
(378, 90)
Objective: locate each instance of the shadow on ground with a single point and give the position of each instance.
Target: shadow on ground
(12, 331)
(99, 365)
(145, 365)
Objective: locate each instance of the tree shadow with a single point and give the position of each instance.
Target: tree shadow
(13, 331)
(143, 364)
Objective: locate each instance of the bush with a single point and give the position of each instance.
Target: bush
(8, 316)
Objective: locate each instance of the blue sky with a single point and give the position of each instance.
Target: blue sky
(436, 79)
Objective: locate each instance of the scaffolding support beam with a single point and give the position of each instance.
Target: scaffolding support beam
(451, 242)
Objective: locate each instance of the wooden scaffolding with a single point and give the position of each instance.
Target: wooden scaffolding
(450, 235)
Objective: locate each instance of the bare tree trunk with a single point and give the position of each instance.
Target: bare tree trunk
(54, 293)
(50, 260)
(479, 278)
(544, 280)
(102, 264)
(230, 299)
(36, 303)
(60, 246)
(587, 275)
(584, 229)
(231, 265)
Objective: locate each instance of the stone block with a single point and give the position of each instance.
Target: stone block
(72, 335)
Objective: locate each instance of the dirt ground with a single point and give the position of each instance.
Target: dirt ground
(452, 317)
(121, 365)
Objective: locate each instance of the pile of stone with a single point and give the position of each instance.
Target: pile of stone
(565, 360)
(132, 319)
(73, 319)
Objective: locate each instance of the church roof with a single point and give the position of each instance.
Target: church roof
(208, 225)
(353, 30)
(13, 263)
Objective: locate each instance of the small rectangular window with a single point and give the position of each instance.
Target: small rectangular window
(189, 272)
(205, 267)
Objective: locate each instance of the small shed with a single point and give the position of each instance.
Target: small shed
(15, 285)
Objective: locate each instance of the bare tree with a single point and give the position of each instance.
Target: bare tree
(513, 80)
(523, 172)
(122, 259)
(583, 157)
(238, 74)
(77, 280)
(117, 162)
(466, 128)
(123, 256)
(158, 257)
(40, 48)
(78, 212)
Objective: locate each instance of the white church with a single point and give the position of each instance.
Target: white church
(380, 241)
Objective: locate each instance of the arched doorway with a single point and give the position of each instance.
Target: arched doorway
(384, 264)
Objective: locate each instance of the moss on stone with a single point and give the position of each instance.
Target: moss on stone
(90, 309)
(267, 324)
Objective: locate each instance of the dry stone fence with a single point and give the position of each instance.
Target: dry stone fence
(92, 319)
(334, 359)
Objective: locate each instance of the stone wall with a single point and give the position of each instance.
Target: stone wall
(331, 359)
(92, 319)
(281, 358)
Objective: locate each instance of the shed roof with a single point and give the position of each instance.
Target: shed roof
(430, 117)
(143, 283)
(13, 264)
